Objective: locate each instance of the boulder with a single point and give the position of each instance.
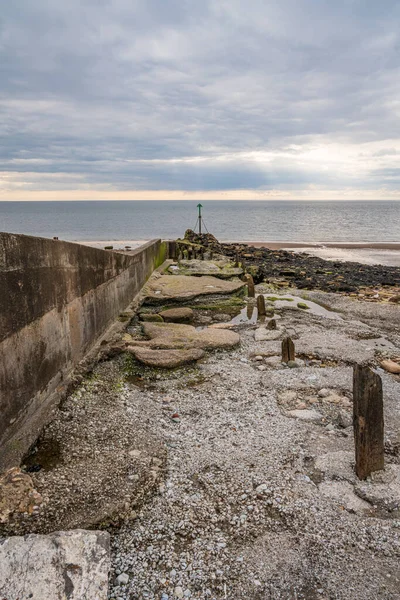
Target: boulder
(177, 315)
(180, 287)
(166, 359)
(175, 336)
(151, 317)
(65, 564)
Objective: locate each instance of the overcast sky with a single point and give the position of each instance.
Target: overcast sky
(199, 98)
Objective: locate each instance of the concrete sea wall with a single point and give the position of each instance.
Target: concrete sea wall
(56, 300)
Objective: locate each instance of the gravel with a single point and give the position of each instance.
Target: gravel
(240, 514)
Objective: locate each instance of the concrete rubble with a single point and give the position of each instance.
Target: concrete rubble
(71, 565)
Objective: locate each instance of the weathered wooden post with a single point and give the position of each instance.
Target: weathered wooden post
(261, 305)
(172, 247)
(250, 285)
(236, 259)
(368, 421)
(288, 353)
(202, 253)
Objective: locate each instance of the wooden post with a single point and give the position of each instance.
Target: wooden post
(236, 259)
(261, 305)
(250, 286)
(287, 350)
(368, 421)
(172, 247)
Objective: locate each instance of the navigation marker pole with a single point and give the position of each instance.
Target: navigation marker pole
(199, 206)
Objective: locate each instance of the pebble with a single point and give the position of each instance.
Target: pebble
(123, 579)
(178, 591)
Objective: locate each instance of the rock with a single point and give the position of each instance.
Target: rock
(261, 367)
(17, 494)
(395, 299)
(180, 287)
(173, 335)
(344, 419)
(292, 364)
(166, 359)
(65, 564)
(220, 267)
(391, 367)
(305, 415)
(178, 591)
(177, 315)
(262, 334)
(271, 325)
(382, 488)
(221, 325)
(262, 489)
(273, 360)
(337, 465)
(150, 317)
(342, 492)
(123, 579)
(324, 393)
(258, 357)
(303, 305)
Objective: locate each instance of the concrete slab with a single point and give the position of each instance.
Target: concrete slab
(71, 565)
(180, 287)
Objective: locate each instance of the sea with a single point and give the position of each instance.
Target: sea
(302, 222)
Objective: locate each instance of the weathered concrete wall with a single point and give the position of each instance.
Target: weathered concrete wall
(56, 300)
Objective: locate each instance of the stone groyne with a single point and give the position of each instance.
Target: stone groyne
(56, 301)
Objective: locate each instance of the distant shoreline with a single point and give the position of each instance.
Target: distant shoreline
(343, 245)
(270, 245)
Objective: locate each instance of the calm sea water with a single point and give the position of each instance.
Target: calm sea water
(289, 221)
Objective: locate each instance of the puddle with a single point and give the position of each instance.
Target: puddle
(248, 314)
(316, 309)
(46, 455)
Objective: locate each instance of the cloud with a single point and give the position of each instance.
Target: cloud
(171, 95)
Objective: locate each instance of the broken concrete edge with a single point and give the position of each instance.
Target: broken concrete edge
(26, 432)
(71, 564)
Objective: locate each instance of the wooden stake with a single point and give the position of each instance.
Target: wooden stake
(250, 286)
(287, 350)
(261, 305)
(368, 421)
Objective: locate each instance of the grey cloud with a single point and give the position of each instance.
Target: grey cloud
(89, 85)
